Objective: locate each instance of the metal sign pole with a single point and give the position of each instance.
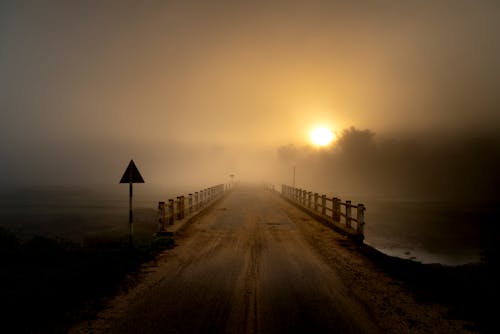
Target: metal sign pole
(130, 216)
(131, 176)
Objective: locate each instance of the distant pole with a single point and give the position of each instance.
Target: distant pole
(293, 184)
(130, 216)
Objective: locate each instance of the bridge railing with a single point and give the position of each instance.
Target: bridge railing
(182, 206)
(330, 208)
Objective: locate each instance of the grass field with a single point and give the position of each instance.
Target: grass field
(48, 284)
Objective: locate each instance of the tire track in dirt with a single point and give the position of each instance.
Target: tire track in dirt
(244, 267)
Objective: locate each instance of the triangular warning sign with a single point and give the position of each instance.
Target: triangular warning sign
(132, 174)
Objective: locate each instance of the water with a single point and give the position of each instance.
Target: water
(447, 232)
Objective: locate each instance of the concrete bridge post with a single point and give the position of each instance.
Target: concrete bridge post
(336, 209)
(323, 205)
(361, 219)
(161, 220)
(348, 214)
(171, 213)
(190, 203)
(178, 208)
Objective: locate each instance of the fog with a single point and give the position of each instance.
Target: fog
(428, 167)
(194, 91)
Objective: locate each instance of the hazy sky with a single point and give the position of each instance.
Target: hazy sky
(87, 85)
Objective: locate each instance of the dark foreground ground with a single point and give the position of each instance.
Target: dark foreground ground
(253, 264)
(46, 285)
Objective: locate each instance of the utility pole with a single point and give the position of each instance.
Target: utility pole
(293, 184)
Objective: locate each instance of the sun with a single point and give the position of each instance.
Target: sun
(322, 136)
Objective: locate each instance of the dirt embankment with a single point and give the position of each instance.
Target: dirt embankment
(406, 296)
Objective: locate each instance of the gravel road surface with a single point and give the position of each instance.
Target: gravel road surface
(256, 264)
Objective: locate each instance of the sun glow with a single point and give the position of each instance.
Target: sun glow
(322, 136)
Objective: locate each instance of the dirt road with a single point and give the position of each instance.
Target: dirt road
(253, 264)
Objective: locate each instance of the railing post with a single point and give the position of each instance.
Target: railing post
(323, 205)
(361, 219)
(309, 199)
(183, 206)
(196, 200)
(348, 215)
(171, 213)
(336, 209)
(304, 193)
(161, 220)
(190, 203)
(178, 208)
(316, 202)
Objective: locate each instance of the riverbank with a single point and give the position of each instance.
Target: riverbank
(469, 292)
(406, 296)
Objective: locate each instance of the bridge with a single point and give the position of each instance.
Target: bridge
(332, 211)
(254, 260)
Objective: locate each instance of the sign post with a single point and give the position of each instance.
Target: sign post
(131, 176)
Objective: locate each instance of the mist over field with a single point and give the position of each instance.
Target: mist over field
(423, 166)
